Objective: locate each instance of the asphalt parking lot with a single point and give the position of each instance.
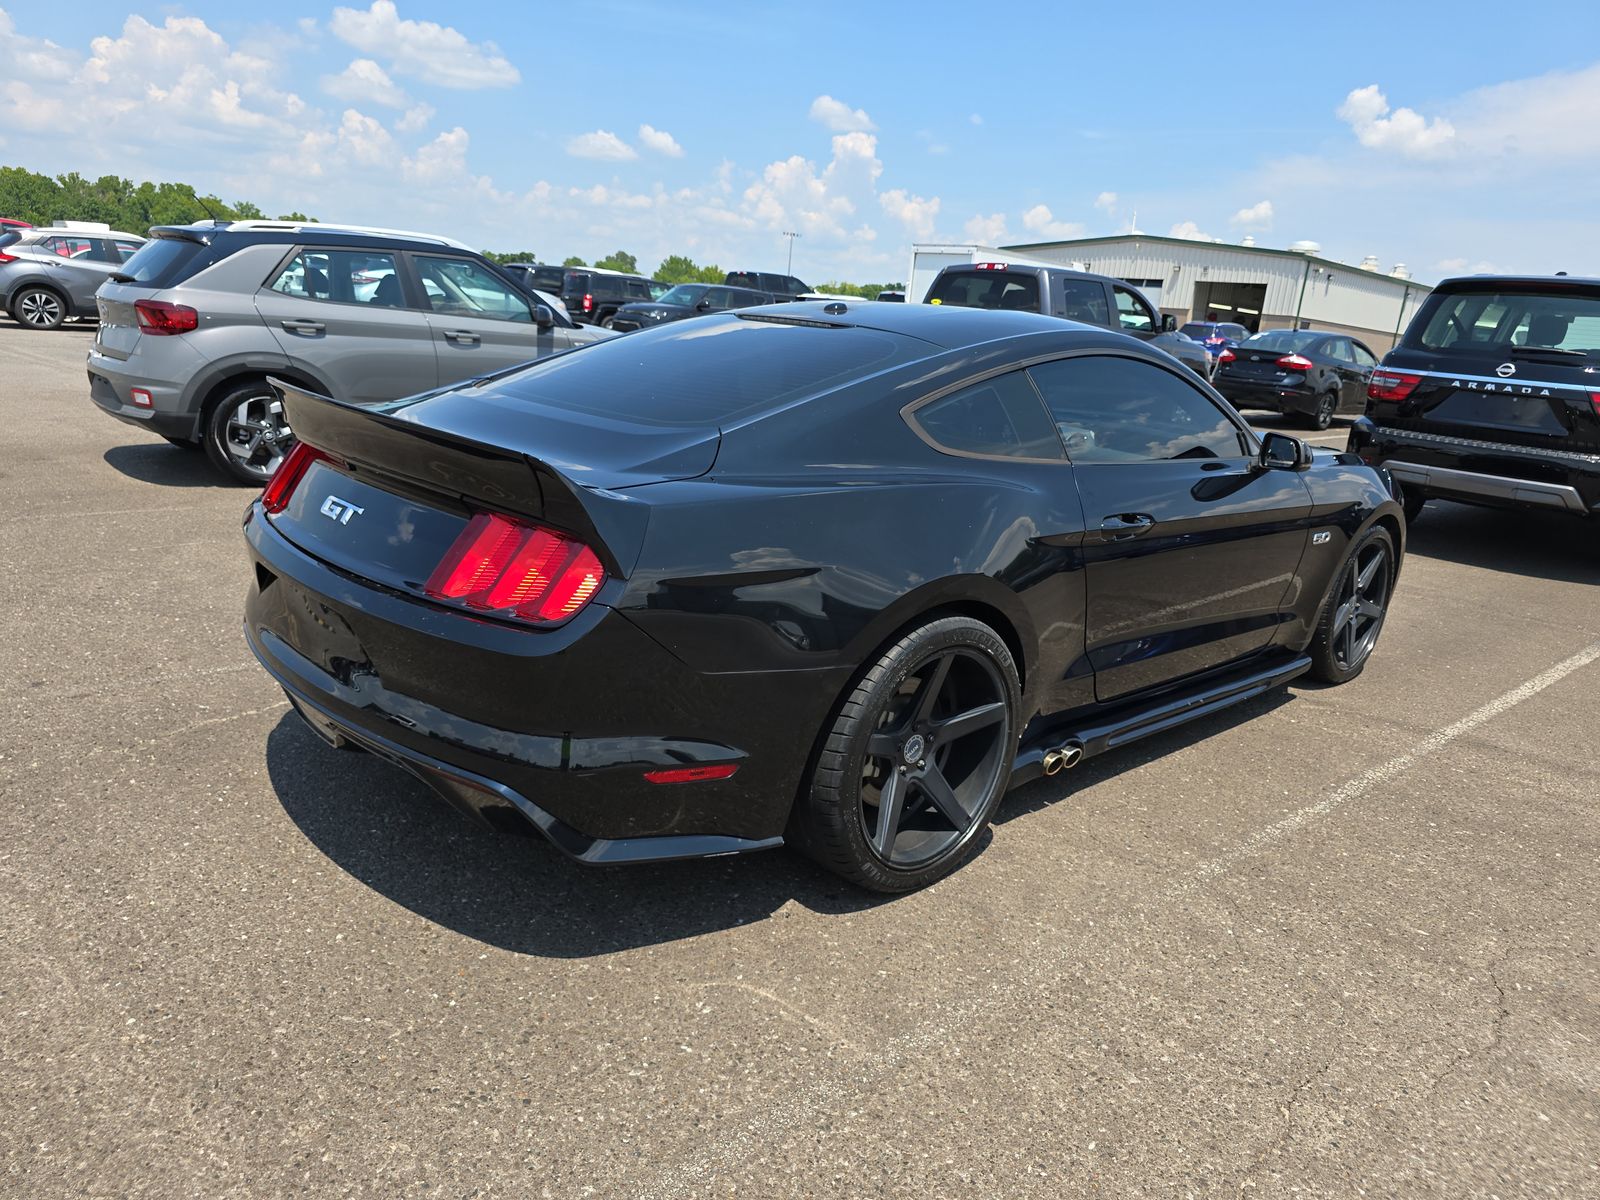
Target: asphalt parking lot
(1331, 943)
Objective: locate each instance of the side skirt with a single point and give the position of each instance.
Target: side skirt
(1096, 732)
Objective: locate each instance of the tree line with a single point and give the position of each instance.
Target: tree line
(134, 207)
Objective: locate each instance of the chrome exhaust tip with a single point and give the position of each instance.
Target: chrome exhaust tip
(1062, 757)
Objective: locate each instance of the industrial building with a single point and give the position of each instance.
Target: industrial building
(1258, 287)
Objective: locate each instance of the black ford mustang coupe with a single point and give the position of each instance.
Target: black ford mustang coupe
(835, 575)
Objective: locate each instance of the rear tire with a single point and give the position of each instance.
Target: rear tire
(245, 433)
(39, 308)
(605, 322)
(1354, 609)
(915, 761)
(1322, 415)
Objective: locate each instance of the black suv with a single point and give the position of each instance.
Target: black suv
(592, 296)
(1072, 295)
(782, 287)
(1493, 397)
(536, 277)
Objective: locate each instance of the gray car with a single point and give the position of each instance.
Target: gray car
(192, 327)
(51, 273)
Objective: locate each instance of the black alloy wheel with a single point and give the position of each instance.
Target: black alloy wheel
(38, 308)
(917, 759)
(1322, 416)
(1354, 612)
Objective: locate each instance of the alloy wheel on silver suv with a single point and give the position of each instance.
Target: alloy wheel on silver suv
(248, 435)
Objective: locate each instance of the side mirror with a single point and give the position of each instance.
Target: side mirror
(703, 306)
(1280, 452)
(543, 317)
(1168, 323)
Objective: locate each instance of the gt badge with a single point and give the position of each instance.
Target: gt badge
(339, 510)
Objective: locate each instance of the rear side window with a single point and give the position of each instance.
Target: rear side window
(1497, 321)
(1010, 290)
(547, 279)
(160, 262)
(341, 276)
(1109, 409)
(1084, 300)
(690, 374)
(998, 418)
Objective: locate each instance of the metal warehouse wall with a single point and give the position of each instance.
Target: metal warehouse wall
(1337, 296)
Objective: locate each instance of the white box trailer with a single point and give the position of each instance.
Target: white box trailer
(928, 260)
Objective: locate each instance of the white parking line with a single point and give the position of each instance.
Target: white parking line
(795, 1110)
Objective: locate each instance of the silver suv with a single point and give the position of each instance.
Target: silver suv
(192, 326)
(51, 273)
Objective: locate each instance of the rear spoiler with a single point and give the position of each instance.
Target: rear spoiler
(612, 524)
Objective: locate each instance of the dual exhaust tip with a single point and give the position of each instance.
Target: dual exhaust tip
(1066, 755)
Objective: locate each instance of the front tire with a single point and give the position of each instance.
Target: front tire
(915, 761)
(246, 433)
(38, 308)
(1354, 610)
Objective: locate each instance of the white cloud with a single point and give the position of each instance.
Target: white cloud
(839, 116)
(986, 230)
(1106, 202)
(1404, 130)
(975, 119)
(1041, 221)
(660, 141)
(436, 53)
(364, 139)
(1188, 229)
(1257, 216)
(915, 213)
(33, 58)
(600, 196)
(442, 160)
(792, 195)
(603, 144)
(415, 118)
(362, 80)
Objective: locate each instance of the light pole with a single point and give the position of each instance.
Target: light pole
(789, 270)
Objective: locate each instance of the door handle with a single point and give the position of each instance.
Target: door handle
(296, 326)
(465, 336)
(1119, 527)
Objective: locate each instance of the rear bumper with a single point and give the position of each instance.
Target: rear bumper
(1262, 395)
(1480, 472)
(111, 383)
(558, 726)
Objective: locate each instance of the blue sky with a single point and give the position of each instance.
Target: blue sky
(578, 128)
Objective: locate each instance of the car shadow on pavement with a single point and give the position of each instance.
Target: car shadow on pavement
(1539, 545)
(517, 892)
(169, 465)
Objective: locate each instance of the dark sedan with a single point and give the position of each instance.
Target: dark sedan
(685, 300)
(1316, 376)
(821, 573)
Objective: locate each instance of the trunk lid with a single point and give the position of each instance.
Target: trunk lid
(118, 333)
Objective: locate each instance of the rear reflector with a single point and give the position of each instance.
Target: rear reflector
(502, 566)
(140, 398)
(690, 774)
(289, 473)
(1393, 386)
(162, 318)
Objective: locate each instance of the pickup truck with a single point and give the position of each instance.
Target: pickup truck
(1071, 295)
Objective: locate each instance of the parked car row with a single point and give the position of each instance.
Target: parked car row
(50, 274)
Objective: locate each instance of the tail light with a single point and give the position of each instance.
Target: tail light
(1295, 362)
(160, 318)
(588, 302)
(289, 473)
(512, 569)
(1393, 386)
(5, 258)
(1594, 399)
(990, 266)
(1227, 356)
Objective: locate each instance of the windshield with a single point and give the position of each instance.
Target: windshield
(1284, 339)
(685, 293)
(1501, 321)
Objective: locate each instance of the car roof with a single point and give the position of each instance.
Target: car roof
(64, 231)
(1456, 282)
(947, 326)
(312, 233)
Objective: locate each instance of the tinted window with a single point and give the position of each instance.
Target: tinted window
(1495, 321)
(708, 372)
(999, 417)
(1283, 341)
(685, 293)
(159, 261)
(575, 283)
(637, 289)
(1013, 290)
(547, 279)
(1084, 300)
(740, 298)
(719, 297)
(1364, 357)
(1121, 410)
(747, 279)
(464, 288)
(1132, 313)
(1337, 349)
(342, 276)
